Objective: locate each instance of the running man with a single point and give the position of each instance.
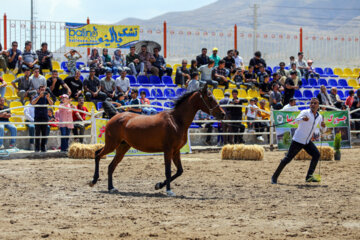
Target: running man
(307, 122)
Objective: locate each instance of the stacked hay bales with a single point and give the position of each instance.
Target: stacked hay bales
(242, 152)
(79, 150)
(326, 154)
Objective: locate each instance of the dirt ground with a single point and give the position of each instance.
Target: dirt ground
(215, 200)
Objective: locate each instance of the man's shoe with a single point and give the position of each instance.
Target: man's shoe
(312, 179)
(260, 138)
(273, 180)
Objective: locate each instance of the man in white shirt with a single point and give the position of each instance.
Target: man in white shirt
(206, 71)
(29, 112)
(37, 80)
(307, 121)
(301, 64)
(122, 84)
(239, 62)
(251, 112)
(291, 106)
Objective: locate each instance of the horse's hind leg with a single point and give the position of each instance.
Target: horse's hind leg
(120, 152)
(177, 162)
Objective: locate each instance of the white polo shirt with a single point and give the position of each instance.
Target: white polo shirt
(306, 129)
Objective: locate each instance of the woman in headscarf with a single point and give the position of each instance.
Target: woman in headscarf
(95, 62)
(118, 63)
(106, 59)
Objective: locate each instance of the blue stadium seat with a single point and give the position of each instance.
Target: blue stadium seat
(158, 94)
(168, 81)
(298, 95)
(341, 95)
(307, 94)
(276, 68)
(148, 95)
(194, 125)
(156, 81)
(287, 68)
(101, 77)
(169, 93)
(64, 66)
(301, 104)
(322, 81)
(347, 93)
(80, 65)
(320, 72)
(329, 72)
(81, 78)
(180, 91)
(343, 83)
(99, 105)
(133, 81)
(116, 76)
(333, 82)
(316, 92)
(169, 104)
(157, 104)
(144, 81)
(313, 83)
(305, 83)
(269, 69)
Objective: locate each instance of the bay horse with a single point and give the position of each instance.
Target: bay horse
(164, 132)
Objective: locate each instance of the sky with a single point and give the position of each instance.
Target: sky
(101, 12)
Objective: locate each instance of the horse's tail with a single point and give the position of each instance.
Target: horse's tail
(97, 162)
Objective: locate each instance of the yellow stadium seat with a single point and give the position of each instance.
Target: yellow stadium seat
(246, 68)
(242, 93)
(18, 111)
(20, 75)
(168, 65)
(353, 83)
(338, 71)
(175, 67)
(218, 94)
(56, 66)
(8, 77)
(356, 71)
(253, 93)
(232, 85)
(348, 72)
(47, 76)
(89, 106)
(9, 94)
(63, 76)
(19, 127)
(229, 91)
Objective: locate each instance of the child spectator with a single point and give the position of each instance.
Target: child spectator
(144, 100)
(4, 117)
(79, 118)
(134, 102)
(350, 99)
(29, 113)
(65, 115)
(251, 112)
(71, 65)
(194, 83)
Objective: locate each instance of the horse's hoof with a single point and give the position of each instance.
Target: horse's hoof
(113, 190)
(91, 184)
(158, 186)
(170, 193)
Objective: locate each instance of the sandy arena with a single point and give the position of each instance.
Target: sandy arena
(215, 200)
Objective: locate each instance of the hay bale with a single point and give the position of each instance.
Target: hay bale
(326, 154)
(242, 152)
(78, 150)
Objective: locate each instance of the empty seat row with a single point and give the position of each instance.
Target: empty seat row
(313, 83)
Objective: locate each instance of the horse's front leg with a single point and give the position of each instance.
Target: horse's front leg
(167, 159)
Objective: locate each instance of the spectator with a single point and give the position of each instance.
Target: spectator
(94, 61)
(194, 83)
(292, 60)
(79, 118)
(251, 113)
(290, 87)
(36, 80)
(215, 57)
(145, 101)
(350, 99)
(262, 115)
(182, 74)
(311, 71)
(108, 86)
(276, 80)
(3, 85)
(134, 63)
(291, 106)
(297, 81)
(122, 84)
(283, 73)
(106, 61)
(202, 59)
(301, 64)
(219, 74)
(92, 88)
(324, 98)
(147, 58)
(275, 98)
(236, 115)
(256, 61)
(356, 115)
(29, 113)
(54, 83)
(41, 115)
(118, 62)
(250, 77)
(75, 84)
(226, 128)
(239, 62)
(261, 73)
(335, 99)
(29, 57)
(120, 101)
(265, 87)
(239, 79)
(206, 71)
(200, 115)
(4, 117)
(71, 64)
(134, 103)
(14, 57)
(65, 115)
(44, 56)
(229, 62)
(3, 54)
(23, 86)
(161, 64)
(52, 119)
(193, 67)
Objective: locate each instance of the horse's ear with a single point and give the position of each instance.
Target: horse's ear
(204, 89)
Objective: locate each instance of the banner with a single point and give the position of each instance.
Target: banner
(335, 121)
(103, 36)
(100, 138)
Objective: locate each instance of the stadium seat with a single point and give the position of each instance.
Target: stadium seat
(338, 71)
(253, 93)
(56, 66)
(269, 69)
(99, 105)
(156, 81)
(313, 83)
(343, 83)
(353, 83)
(158, 94)
(346, 93)
(89, 106)
(157, 104)
(194, 125)
(133, 82)
(175, 67)
(148, 95)
(333, 82)
(9, 94)
(349, 73)
(316, 92)
(63, 76)
(167, 80)
(180, 91)
(64, 66)
(320, 72)
(144, 81)
(169, 104)
(356, 71)
(276, 68)
(298, 95)
(19, 127)
(8, 78)
(323, 81)
(341, 95)
(307, 94)
(218, 94)
(305, 83)
(169, 93)
(18, 111)
(329, 72)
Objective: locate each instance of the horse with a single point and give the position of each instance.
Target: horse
(164, 132)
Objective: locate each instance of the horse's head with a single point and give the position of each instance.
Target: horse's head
(209, 104)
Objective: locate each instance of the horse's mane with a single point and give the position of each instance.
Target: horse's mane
(182, 99)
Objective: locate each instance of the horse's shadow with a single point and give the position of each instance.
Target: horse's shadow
(304, 186)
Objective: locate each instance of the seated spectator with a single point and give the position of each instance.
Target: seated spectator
(108, 86)
(41, 115)
(215, 57)
(29, 113)
(301, 64)
(292, 60)
(120, 102)
(4, 117)
(193, 84)
(37, 80)
(75, 84)
(71, 64)
(65, 115)
(275, 98)
(265, 87)
(250, 77)
(200, 115)
(54, 83)
(350, 99)
(256, 61)
(311, 71)
(122, 84)
(239, 79)
(44, 56)
(264, 116)
(202, 59)
(206, 71)
(134, 63)
(182, 74)
(239, 62)
(79, 118)
(147, 58)
(92, 88)
(134, 103)
(251, 113)
(283, 73)
(193, 67)
(226, 127)
(356, 115)
(107, 62)
(324, 98)
(290, 87)
(291, 106)
(3, 85)
(297, 81)
(95, 62)
(3, 64)
(236, 114)
(219, 74)
(229, 62)
(335, 99)
(145, 101)
(14, 57)
(261, 73)
(276, 80)
(23, 86)
(118, 62)
(161, 64)
(29, 57)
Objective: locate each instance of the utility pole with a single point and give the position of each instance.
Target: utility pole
(255, 27)
(32, 21)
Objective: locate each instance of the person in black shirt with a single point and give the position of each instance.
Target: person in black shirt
(236, 114)
(54, 83)
(193, 68)
(75, 85)
(4, 117)
(250, 77)
(276, 80)
(219, 74)
(229, 62)
(261, 73)
(182, 75)
(256, 60)
(41, 115)
(92, 87)
(202, 59)
(290, 88)
(265, 87)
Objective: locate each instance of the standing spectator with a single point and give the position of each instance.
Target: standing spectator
(54, 83)
(219, 74)
(297, 81)
(291, 106)
(226, 128)
(122, 84)
(311, 71)
(301, 64)
(182, 74)
(324, 98)
(3, 54)
(118, 62)
(134, 103)
(14, 57)
(251, 113)
(75, 84)
(145, 101)
(161, 64)
(250, 77)
(134, 63)
(265, 87)
(36, 80)
(148, 59)
(262, 115)
(350, 99)
(94, 61)
(290, 87)
(215, 57)
(65, 115)
(202, 59)
(107, 62)
(236, 114)
(256, 61)
(79, 118)
(3, 85)
(356, 115)
(206, 71)
(194, 83)
(335, 99)
(29, 57)
(92, 88)
(261, 73)
(23, 86)
(229, 62)
(108, 86)
(283, 73)
(29, 112)
(193, 67)
(4, 117)
(71, 64)
(292, 60)
(45, 57)
(200, 115)
(41, 115)
(239, 62)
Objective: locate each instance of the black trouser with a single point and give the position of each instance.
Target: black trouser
(226, 129)
(79, 128)
(222, 82)
(235, 127)
(40, 130)
(294, 149)
(45, 65)
(287, 98)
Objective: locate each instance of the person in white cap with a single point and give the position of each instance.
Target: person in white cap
(311, 71)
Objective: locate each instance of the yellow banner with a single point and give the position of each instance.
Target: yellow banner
(93, 35)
